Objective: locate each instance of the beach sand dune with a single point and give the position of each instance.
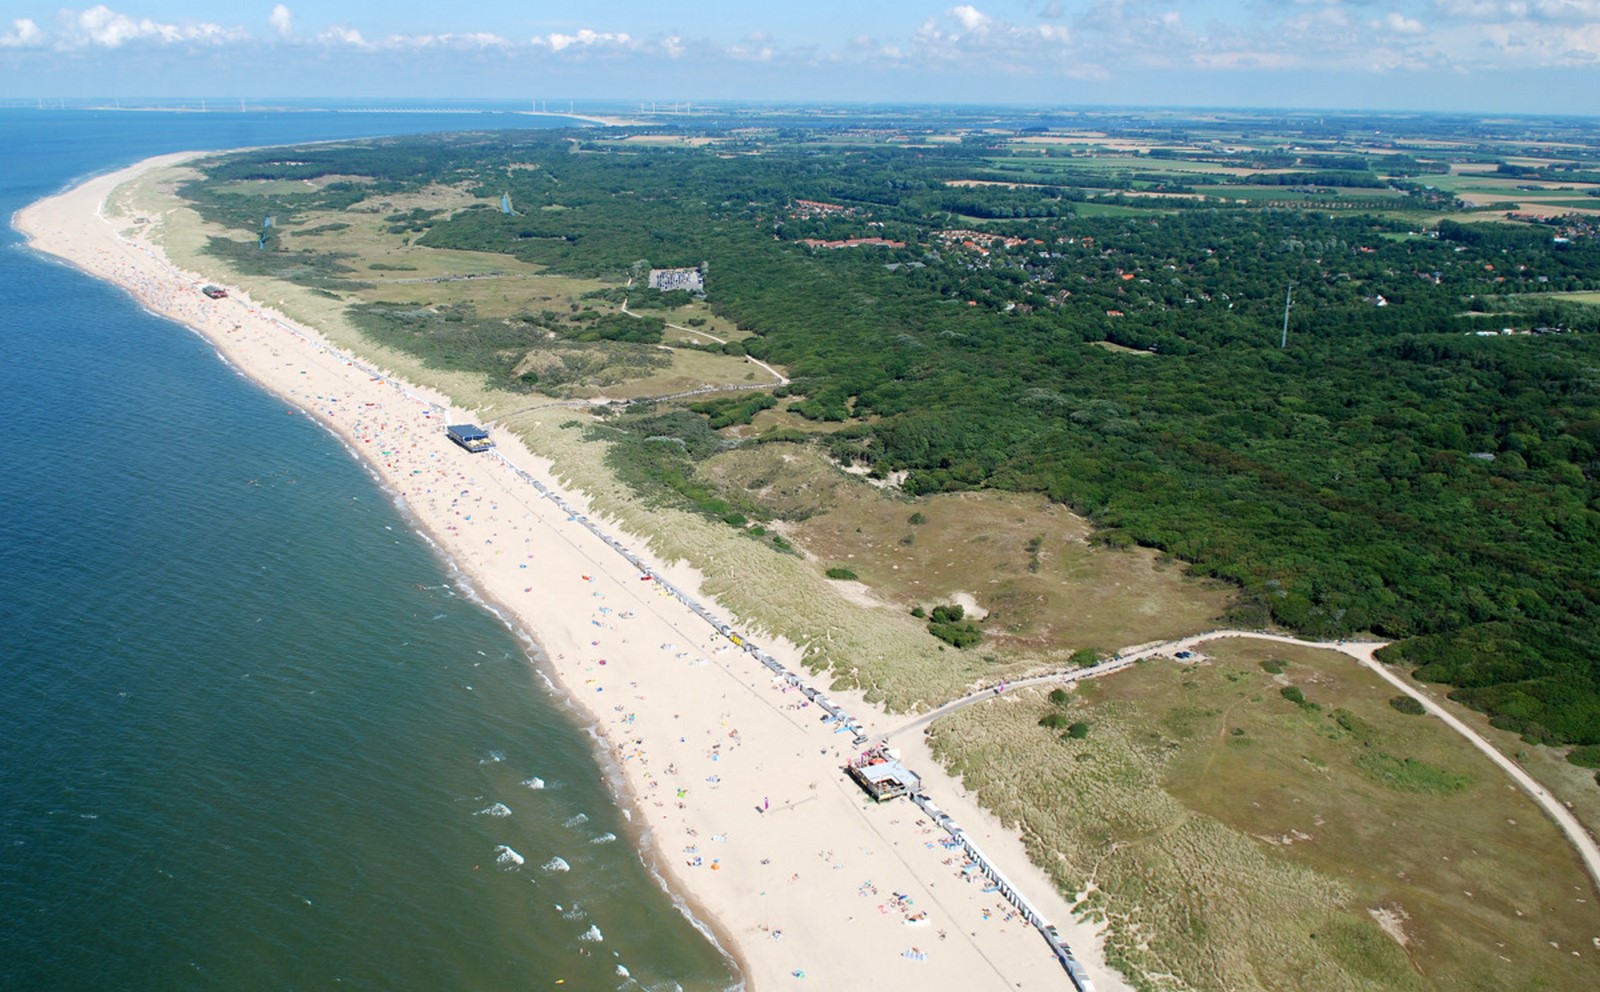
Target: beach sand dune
(731, 775)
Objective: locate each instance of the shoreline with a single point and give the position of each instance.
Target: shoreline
(584, 720)
(760, 837)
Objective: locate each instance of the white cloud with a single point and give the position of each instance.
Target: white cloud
(967, 35)
(585, 38)
(341, 35)
(754, 47)
(1521, 10)
(23, 34)
(972, 19)
(1582, 44)
(472, 41)
(102, 27)
(1399, 24)
(1117, 40)
(1488, 35)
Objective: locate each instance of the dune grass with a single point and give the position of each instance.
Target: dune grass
(1237, 840)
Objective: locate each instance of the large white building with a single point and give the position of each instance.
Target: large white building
(667, 280)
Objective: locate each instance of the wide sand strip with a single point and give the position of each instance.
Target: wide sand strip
(733, 774)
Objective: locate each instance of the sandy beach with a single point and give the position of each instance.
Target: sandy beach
(730, 774)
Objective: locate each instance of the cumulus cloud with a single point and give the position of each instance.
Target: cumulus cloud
(1521, 10)
(1502, 34)
(342, 36)
(102, 27)
(471, 41)
(971, 18)
(1083, 39)
(754, 47)
(23, 34)
(1399, 24)
(584, 38)
(967, 34)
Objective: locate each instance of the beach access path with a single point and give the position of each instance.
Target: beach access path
(734, 780)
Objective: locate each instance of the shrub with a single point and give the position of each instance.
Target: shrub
(1274, 666)
(1078, 731)
(1412, 707)
(841, 573)
(1587, 756)
(1409, 774)
(960, 635)
(917, 518)
(1053, 721)
(1084, 657)
(1293, 694)
(954, 613)
(919, 613)
(1059, 697)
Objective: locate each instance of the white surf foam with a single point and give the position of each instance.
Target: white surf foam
(592, 935)
(576, 821)
(506, 857)
(497, 810)
(605, 838)
(534, 783)
(556, 864)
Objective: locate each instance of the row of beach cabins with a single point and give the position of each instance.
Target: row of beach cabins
(877, 769)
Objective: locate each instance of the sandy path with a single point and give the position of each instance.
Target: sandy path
(731, 772)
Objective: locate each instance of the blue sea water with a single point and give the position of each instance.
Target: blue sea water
(252, 735)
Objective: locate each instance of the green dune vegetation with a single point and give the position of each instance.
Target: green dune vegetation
(1238, 835)
(954, 397)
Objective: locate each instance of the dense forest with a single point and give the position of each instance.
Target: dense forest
(1419, 460)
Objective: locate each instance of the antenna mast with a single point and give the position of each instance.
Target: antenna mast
(1286, 298)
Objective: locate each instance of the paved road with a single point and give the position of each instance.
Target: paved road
(1361, 651)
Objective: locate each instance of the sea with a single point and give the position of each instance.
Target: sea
(254, 732)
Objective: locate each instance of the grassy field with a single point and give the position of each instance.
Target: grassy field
(1027, 564)
(1092, 209)
(1242, 840)
(1592, 298)
(1572, 784)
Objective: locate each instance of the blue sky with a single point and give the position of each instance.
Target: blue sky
(1470, 55)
